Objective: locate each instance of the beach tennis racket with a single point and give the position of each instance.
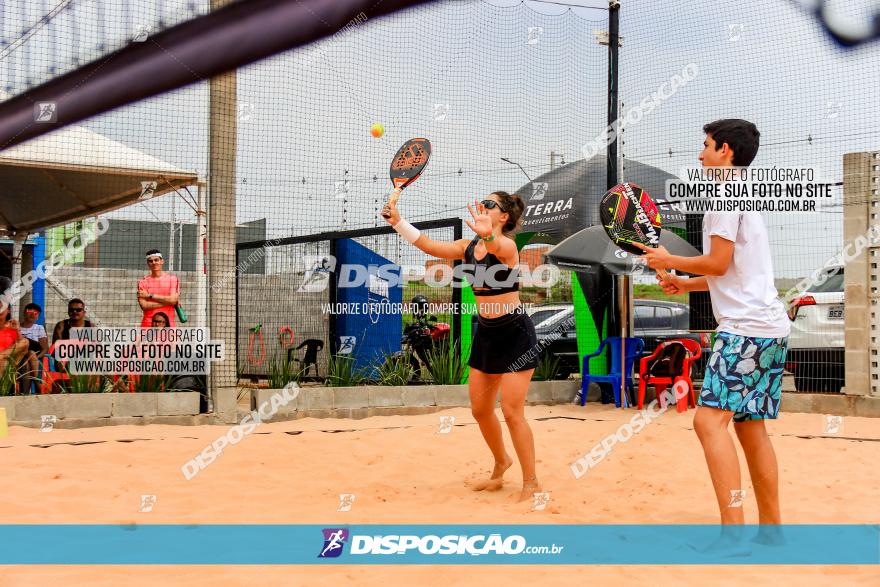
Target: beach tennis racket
(407, 165)
(629, 215)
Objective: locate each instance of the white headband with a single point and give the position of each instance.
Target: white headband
(155, 255)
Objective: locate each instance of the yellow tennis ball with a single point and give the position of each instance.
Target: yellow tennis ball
(377, 130)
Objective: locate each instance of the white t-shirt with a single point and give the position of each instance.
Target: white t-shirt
(34, 332)
(745, 300)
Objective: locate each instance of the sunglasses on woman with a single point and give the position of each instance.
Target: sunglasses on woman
(490, 204)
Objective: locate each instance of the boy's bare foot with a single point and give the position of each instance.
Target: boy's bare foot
(530, 487)
(496, 481)
(730, 544)
(769, 535)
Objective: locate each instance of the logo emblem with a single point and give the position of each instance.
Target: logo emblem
(245, 111)
(440, 112)
(535, 33)
(346, 345)
(340, 189)
(541, 501)
(147, 503)
(446, 424)
(734, 32)
(47, 423)
(346, 500)
(148, 190)
(539, 190)
(334, 540)
(141, 34)
(736, 498)
(45, 112)
(317, 277)
(833, 424)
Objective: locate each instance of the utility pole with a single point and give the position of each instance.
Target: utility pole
(613, 77)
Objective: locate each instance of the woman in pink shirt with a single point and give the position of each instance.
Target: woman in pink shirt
(158, 291)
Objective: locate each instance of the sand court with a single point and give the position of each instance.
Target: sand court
(403, 469)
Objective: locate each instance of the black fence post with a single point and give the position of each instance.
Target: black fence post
(331, 326)
(456, 293)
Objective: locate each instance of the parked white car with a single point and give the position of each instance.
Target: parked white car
(816, 343)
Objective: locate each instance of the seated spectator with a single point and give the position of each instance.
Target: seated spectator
(38, 343)
(76, 310)
(159, 320)
(13, 346)
(156, 381)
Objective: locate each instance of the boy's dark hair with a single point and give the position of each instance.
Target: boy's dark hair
(75, 301)
(33, 306)
(740, 135)
(153, 252)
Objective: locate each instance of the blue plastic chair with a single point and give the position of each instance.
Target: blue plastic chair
(634, 347)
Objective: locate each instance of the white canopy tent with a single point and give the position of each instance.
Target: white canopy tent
(75, 173)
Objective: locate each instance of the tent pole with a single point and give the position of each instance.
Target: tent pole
(201, 313)
(623, 304)
(17, 250)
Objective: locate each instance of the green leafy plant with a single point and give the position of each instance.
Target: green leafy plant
(9, 377)
(282, 371)
(395, 370)
(86, 384)
(341, 372)
(547, 369)
(444, 364)
(153, 384)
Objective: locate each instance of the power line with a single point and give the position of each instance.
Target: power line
(34, 29)
(569, 5)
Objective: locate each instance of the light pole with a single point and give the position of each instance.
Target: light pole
(506, 160)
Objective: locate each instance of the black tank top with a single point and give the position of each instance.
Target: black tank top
(481, 278)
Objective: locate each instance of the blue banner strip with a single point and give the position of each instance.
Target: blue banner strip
(250, 544)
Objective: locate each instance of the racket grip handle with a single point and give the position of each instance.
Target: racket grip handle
(395, 195)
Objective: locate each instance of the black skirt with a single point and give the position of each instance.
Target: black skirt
(506, 344)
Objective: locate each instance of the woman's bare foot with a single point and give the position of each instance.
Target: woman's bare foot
(530, 487)
(496, 481)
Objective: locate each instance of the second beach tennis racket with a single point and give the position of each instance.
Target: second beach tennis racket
(408, 164)
(629, 215)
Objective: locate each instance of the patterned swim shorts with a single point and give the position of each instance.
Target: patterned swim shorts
(744, 376)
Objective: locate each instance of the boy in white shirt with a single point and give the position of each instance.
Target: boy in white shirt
(38, 343)
(743, 380)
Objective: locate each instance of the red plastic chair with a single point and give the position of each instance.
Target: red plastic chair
(661, 383)
(50, 376)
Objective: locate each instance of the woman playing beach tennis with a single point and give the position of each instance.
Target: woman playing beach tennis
(504, 346)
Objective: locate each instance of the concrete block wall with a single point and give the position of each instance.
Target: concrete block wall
(363, 402)
(98, 409)
(110, 294)
(861, 198)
